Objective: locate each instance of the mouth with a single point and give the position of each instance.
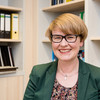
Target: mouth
(65, 50)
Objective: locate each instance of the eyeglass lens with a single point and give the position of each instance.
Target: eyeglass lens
(69, 38)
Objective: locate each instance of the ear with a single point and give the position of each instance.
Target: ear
(81, 43)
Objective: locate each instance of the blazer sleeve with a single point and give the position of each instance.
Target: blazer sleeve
(31, 86)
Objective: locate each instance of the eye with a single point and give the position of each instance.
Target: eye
(70, 37)
(57, 37)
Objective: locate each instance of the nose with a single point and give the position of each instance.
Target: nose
(63, 42)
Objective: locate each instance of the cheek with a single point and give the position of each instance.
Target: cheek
(55, 47)
(75, 46)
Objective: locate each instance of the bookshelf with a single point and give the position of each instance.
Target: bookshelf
(72, 6)
(95, 38)
(10, 40)
(10, 8)
(46, 14)
(92, 20)
(46, 41)
(12, 78)
(66, 7)
(14, 6)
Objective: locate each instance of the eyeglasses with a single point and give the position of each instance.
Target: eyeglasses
(70, 38)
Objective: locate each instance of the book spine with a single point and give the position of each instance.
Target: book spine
(54, 2)
(61, 1)
(81, 55)
(2, 25)
(82, 15)
(1, 59)
(7, 26)
(53, 56)
(5, 56)
(68, 0)
(14, 26)
(12, 58)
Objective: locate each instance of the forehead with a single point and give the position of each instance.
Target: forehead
(57, 30)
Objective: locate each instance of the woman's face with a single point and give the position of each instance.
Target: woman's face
(65, 51)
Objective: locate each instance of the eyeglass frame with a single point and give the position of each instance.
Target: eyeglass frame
(65, 37)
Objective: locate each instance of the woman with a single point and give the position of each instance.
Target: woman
(68, 78)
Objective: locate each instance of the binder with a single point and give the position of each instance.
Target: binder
(1, 25)
(14, 26)
(68, 0)
(7, 25)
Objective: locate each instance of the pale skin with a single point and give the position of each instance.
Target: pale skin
(67, 59)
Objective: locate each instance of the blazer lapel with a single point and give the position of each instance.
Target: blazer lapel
(49, 81)
(82, 80)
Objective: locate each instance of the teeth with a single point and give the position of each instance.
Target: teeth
(64, 50)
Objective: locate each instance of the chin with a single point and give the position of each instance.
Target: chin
(66, 58)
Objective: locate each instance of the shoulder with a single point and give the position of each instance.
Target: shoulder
(86, 67)
(89, 68)
(40, 69)
(95, 70)
(94, 73)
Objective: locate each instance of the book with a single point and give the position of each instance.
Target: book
(1, 60)
(14, 26)
(6, 62)
(82, 15)
(7, 29)
(54, 2)
(81, 55)
(61, 1)
(5, 56)
(11, 56)
(53, 56)
(1, 25)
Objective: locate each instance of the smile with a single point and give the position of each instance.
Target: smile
(63, 51)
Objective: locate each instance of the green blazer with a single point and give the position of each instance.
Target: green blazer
(42, 78)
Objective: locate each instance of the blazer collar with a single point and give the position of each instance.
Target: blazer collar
(49, 80)
(82, 80)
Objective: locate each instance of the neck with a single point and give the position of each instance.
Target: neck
(69, 66)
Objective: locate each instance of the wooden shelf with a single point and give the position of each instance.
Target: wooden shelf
(7, 69)
(9, 40)
(9, 8)
(46, 41)
(95, 38)
(97, 0)
(66, 7)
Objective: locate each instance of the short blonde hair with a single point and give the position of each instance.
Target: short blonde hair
(68, 23)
